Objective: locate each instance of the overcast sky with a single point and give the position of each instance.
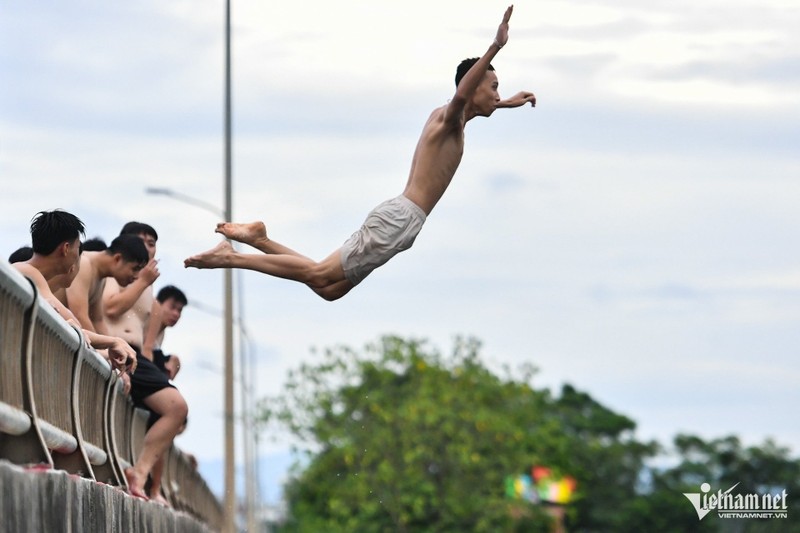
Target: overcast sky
(636, 234)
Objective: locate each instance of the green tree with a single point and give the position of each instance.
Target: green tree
(601, 451)
(404, 439)
(723, 463)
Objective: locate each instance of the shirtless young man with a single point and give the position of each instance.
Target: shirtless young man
(128, 310)
(167, 311)
(170, 302)
(121, 262)
(53, 266)
(392, 226)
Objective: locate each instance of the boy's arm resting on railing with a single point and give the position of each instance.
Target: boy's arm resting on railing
(43, 289)
(120, 354)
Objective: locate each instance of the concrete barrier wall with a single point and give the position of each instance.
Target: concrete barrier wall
(54, 501)
(62, 409)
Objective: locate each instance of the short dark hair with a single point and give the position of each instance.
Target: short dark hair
(131, 248)
(95, 244)
(138, 228)
(464, 67)
(171, 291)
(21, 254)
(51, 228)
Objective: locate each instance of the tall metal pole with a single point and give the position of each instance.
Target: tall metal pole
(230, 477)
(246, 392)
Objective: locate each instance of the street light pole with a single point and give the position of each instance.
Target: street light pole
(229, 525)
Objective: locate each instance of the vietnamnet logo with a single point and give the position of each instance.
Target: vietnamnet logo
(729, 505)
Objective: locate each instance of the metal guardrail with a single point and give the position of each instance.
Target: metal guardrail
(61, 406)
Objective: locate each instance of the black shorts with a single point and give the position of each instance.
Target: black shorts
(148, 379)
(160, 359)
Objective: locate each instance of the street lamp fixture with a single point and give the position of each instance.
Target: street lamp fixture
(164, 191)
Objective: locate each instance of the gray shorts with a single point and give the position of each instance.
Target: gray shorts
(389, 229)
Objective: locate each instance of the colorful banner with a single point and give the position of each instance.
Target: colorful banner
(541, 486)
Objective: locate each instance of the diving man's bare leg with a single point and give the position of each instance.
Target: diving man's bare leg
(326, 278)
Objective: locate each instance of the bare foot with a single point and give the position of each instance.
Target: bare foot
(159, 499)
(213, 258)
(135, 484)
(251, 233)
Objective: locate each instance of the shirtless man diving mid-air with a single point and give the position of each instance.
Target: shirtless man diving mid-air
(392, 226)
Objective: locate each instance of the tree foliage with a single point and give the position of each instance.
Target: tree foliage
(403, 439)
(722, 463)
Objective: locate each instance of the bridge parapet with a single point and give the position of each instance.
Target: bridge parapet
(61, 406)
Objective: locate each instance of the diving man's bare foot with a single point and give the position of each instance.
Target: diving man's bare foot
(253, 233)
(217, 257)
